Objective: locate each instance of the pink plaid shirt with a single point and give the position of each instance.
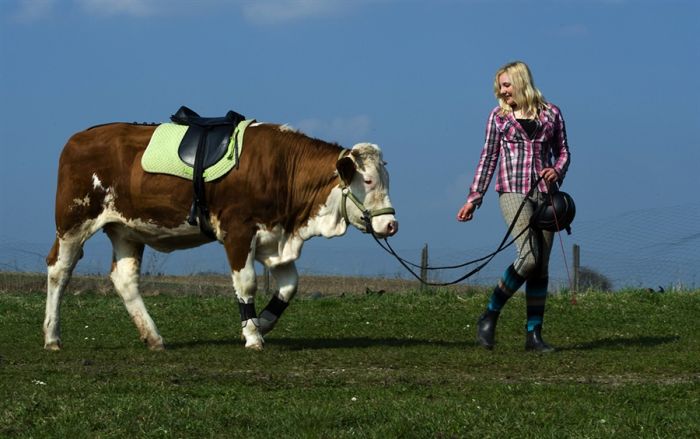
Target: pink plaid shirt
(521, 158)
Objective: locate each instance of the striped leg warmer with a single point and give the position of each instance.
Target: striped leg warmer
(535, 298)
(507, 286)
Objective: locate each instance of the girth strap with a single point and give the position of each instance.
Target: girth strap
(199, 212)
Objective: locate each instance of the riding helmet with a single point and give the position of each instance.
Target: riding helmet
(555, 214)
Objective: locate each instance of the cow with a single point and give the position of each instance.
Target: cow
(287, 188)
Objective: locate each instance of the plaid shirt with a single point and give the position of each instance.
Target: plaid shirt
(521, 158)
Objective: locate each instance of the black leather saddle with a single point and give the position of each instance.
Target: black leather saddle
(204, 144)
(210, 134)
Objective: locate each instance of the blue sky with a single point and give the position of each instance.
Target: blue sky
(413, 76)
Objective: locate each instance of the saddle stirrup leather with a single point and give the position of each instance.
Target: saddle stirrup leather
(204, 144)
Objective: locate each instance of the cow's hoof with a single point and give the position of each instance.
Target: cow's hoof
(156, 347)
(254, 342)
(251, 335)
(255, 346)
(155, 344)
(53, 345)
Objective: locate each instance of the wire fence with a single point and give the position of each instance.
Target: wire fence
(657, 248)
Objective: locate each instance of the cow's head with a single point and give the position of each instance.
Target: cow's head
(365, 184)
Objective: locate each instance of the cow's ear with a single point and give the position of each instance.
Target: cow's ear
(346, 169)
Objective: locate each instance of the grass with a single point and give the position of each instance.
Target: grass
(399, 364)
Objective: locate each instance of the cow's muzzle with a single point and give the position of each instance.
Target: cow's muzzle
(392, 226)
(386, 228)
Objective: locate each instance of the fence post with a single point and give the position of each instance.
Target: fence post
(424, 267)
(577, 267)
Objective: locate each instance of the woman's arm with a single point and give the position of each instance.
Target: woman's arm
(560, 146)
(487, 161)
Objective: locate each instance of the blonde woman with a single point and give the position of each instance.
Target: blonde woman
(525, 139)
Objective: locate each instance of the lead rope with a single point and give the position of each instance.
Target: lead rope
(389, 249)
(488, 259)
(502, 246)
(563, 252)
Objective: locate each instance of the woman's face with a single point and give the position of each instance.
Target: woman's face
(506, 89)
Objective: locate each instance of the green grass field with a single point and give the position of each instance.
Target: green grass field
(400, 364)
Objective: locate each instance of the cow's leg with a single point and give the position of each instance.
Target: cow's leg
(245, 284)
(287, 280)
(65, 253)
(126, 266)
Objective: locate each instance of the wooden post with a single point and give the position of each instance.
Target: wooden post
(577, 267)
(424, 267)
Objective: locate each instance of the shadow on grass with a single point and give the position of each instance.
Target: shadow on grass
(361, 342)
(201, 343)
(621, 342)
(367, 342)
(325, 343)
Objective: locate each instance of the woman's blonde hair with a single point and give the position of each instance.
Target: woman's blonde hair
(525, 94)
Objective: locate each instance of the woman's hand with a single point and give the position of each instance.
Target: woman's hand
(549, 175)
(466, 212)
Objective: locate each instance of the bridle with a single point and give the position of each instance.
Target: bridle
(367, 214)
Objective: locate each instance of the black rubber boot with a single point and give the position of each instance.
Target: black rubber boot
(534, 342)
(486, 329)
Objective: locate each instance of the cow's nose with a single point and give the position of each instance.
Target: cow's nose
(392, 227)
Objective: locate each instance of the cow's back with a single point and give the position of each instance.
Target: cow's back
(101, 168)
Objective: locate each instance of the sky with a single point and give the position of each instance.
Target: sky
(413, 76)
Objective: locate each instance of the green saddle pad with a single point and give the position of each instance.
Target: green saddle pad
(161, 155)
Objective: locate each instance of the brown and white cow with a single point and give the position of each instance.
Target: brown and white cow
(287, 189)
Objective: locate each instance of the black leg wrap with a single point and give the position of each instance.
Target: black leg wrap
(247, 311)
(276, 306)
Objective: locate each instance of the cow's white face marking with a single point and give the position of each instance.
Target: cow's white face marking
(371, 185)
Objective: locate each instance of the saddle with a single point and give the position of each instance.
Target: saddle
(204, 144)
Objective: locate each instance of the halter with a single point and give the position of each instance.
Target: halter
(367, 214)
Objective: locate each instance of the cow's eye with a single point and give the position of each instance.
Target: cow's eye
(368, 181)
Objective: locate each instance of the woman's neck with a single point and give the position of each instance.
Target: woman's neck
(518, 113)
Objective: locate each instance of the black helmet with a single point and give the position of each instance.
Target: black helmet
(555, 214)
